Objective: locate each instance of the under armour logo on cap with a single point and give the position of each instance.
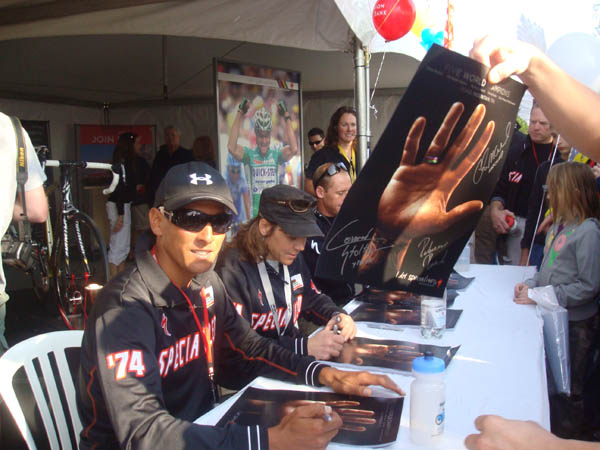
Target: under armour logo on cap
(206, 178)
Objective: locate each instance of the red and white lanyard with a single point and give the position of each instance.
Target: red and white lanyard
(204, 329)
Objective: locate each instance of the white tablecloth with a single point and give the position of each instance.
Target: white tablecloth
(499, 368)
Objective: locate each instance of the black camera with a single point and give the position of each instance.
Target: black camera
(16, 253)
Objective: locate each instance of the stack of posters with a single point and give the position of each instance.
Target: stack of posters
(389, 354)
(367, 421)
(397, 315)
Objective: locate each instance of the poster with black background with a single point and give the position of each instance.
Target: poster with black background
(367, 421)
(419, 197)
(389, 353)
(397, 315)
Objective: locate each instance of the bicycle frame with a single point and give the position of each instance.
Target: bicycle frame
(69, 213)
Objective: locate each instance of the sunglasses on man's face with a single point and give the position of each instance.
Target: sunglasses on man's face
(331, 171)
(297, 206)
(315, 143)
(194, 221)
(234, 169)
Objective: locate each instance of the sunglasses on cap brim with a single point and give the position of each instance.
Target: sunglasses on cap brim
(194, 221)
(297, 206)
(331, 171)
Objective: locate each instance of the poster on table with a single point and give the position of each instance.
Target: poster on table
(259, 130)
(419, 197)
(389, 354)
(397, 315)
(367, 421)
(96, 143)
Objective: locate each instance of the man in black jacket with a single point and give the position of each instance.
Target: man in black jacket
(158, 331)
(510, 198)
(331, 182)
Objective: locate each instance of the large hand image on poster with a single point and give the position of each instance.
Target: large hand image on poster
(418, 198)
(259, 127)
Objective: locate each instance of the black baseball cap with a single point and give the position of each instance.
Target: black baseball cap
(192, 181)
(291, 209)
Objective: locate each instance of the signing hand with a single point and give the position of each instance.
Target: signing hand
(414, 201)
(325, 344)
(345, 324)
(305, 428)
(521, 295)
(355, 383)
(545, 225)
(498, 433)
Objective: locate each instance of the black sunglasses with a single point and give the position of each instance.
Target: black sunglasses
(313, 143)
(234, 169)
(331, 171)
(194, 221)
(297, 206)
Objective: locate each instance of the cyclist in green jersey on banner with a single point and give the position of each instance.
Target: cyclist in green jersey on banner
(263, 160)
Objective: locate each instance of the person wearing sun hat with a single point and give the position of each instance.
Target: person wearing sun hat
(271, 285)
(151, 350)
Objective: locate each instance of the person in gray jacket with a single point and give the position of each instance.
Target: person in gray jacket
(571, 266)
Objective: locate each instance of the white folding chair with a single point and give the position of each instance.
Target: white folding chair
(53, 415)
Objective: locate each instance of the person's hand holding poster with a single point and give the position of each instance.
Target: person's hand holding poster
(420, 195)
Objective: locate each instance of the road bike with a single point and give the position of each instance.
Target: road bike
(73, 258)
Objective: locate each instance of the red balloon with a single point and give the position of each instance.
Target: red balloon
(393, 18)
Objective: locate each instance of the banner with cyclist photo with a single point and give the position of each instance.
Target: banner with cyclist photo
(96, 143)
(259, 128)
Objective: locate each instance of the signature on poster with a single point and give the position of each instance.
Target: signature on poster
(490, 159)
(353, 246)
(427, 250)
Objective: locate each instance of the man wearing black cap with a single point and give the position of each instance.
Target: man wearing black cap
(155, 338)
(271, 285)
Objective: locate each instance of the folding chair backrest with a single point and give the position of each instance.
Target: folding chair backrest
(53, 415)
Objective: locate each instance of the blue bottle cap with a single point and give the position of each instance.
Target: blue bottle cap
(428, 364)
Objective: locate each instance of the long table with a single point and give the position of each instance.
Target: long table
(499, 368)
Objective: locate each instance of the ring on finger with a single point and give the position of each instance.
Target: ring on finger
(430, 159)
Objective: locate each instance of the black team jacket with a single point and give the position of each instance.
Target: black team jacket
(143, 376)
(249, 298)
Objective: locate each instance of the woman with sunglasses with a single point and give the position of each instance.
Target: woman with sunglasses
(340, 145)
(269, 282)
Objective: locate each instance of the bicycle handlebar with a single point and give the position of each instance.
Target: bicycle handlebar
(88, 165)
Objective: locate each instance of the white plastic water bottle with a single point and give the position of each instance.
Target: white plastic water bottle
(427, 401)
(433, 316)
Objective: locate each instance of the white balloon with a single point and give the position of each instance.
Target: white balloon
(578, 54)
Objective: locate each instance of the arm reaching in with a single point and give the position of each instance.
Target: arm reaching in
(566, 102)
(236, 150)
(498, 433)
(415, 200)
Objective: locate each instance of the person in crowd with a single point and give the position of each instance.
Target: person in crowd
(567, 104)
(159, 331)
(510, 197)
(332, 183)
(340, 146)
(271, 285)
(140, 176)
(571, 265)
(36, 203)
(537, 209)
(316, 139)
(236, 183)
(204, 150)
(118, 205)
(264, 160)
(169, 155)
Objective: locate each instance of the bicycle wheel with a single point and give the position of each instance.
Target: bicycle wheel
(81, 270)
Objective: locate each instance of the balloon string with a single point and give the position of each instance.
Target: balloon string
(375, 87)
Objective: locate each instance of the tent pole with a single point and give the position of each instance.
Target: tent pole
(361, 100)
(368, 101)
